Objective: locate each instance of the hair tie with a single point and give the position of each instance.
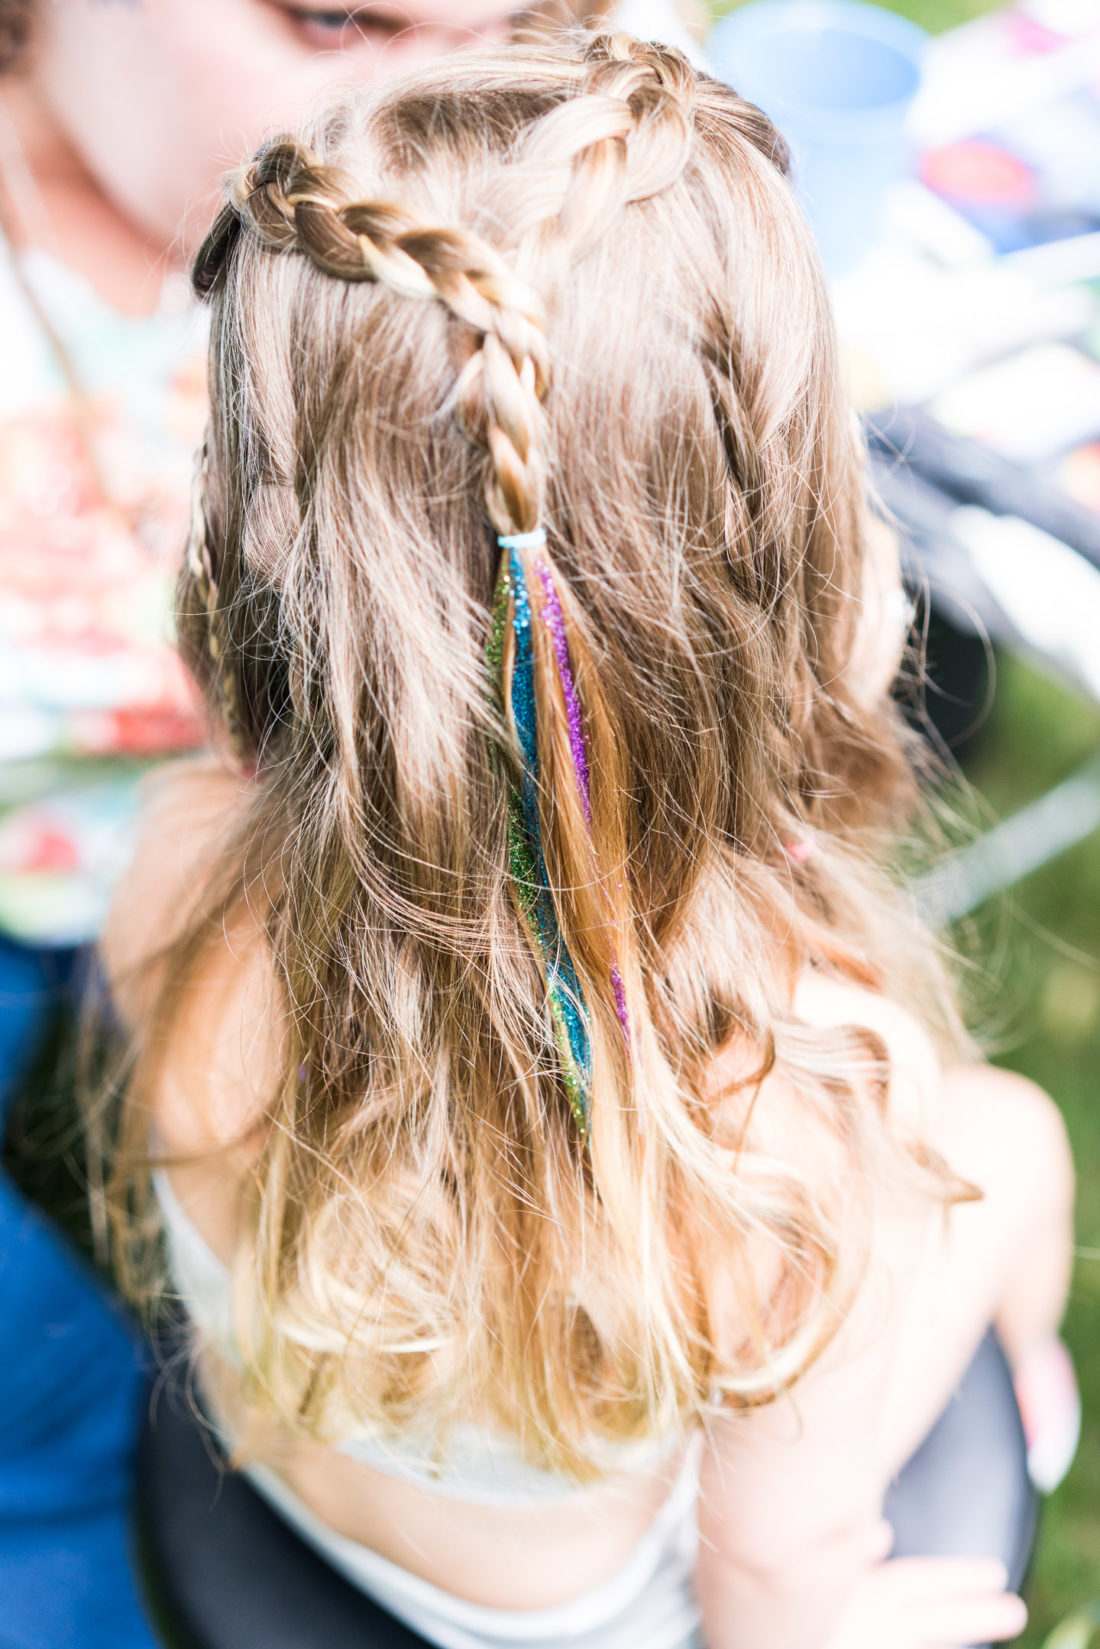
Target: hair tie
(535, 540)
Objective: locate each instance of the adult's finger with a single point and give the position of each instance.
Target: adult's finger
(961, 1621)
(932, 1578)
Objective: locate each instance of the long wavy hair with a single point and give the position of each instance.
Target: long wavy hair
(564, 286)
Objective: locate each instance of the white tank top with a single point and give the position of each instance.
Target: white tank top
(648, 1603)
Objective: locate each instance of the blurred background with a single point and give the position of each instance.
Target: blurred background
(948, 152)
(955, 186)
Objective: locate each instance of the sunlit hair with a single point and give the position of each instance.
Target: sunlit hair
(566, 286)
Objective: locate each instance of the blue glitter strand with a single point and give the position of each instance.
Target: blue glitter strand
(561, 975)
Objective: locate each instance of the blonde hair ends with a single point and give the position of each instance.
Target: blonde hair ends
(565, 285)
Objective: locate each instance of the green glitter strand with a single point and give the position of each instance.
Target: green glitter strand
(528, 889)
(494, 646)
(575, 1085)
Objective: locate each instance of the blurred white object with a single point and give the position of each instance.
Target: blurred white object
(972, 80)
(924, 324)
(1049, 592)
(658, 20)
(1031, 407)
(1024, 842)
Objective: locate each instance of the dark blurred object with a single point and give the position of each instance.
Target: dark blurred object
(989, 579)
(224, 1572)
(970, 472)
(221, 1568)
(41, 1142)
(966, 1491)
(955, 613)
(958, 672)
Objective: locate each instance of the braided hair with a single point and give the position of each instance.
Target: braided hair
(570, 289)
(627, 141)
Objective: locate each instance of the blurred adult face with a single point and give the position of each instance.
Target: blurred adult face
(159, 97)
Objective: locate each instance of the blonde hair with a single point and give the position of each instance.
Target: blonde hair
(564, 285)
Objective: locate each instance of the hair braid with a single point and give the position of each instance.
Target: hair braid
(623, 138)
(626, 138)
(295, 202)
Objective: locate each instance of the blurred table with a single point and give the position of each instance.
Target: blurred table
(971, 336)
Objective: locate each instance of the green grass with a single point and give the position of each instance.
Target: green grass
(932, 15)
(1043, 954)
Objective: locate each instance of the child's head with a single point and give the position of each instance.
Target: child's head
(157, 98)
(564, 289)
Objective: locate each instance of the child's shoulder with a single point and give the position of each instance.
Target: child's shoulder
(915, 1080)
(217, 1049)
(895, 1044)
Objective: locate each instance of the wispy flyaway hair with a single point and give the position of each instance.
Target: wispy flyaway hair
(565, 288)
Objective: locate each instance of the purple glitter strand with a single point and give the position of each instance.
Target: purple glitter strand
(620, 1001)
(554, 620)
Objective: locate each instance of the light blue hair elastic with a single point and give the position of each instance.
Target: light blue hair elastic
(523, 540)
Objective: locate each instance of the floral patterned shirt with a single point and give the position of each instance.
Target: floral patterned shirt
(93, 512)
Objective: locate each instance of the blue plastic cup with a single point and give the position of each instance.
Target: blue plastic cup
(837, 77)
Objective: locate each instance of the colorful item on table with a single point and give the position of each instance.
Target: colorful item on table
(1010, 123)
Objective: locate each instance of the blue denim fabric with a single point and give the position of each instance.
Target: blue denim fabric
(72, 1380)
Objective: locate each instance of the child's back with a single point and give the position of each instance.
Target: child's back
(536, 988)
